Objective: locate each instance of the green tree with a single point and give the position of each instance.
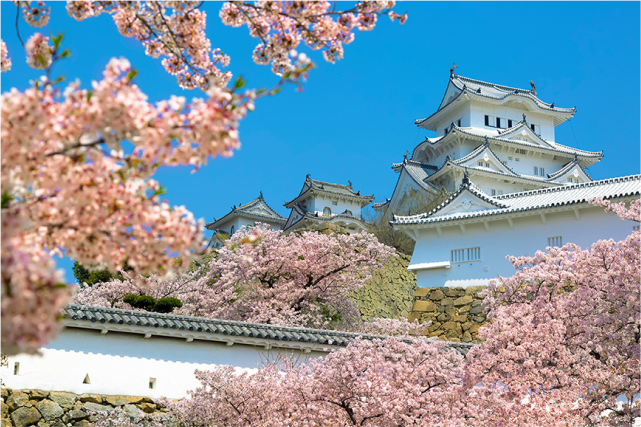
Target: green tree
(91, 277)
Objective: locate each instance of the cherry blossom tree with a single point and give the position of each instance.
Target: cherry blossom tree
(68, 183)
(370, 383)
(266, 276)
(562, 341)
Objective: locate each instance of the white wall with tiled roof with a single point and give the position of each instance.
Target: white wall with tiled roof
(529, 235)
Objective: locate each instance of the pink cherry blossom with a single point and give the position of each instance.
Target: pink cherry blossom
(5, 61)
(370, 383)
(39, 51)
(562, 341)
(265, 276)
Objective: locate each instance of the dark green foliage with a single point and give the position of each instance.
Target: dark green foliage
(149, 303)
(91, 277)
(167, 304)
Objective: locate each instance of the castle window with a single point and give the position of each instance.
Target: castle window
(152, 383)
(573, 180)
(334, 203)
(16, 368)
(521, 151)
(498, 122)
(538, 170)
(232, 230)
(327, 211)
(496, 192)
(458, 123)
(509, 123)
(509, 158)
(467, 254)
(536, 129)
(555, 241)
(490, 121)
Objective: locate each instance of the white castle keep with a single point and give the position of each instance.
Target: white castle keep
(515, 189)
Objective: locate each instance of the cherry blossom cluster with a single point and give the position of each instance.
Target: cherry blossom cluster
(370, 383)
(65, 173)
(562, 341)
(35, 16)
(39, 51)
(33, 291)
(393, 327)
(119, 418)
(264, 276)
(298, 280)
(283, 26)
(176, 32)
(5, 61)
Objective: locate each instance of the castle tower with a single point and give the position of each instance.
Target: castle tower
(503, 136)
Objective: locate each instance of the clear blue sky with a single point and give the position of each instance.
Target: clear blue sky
(356, 117)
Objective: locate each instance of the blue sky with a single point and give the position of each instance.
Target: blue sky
(355, 118)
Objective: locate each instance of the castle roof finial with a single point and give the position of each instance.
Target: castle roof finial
(533, 86)
(405, 155)
(454, 67)
(576, 158)
(524, 118)
(466, 178)
(486, 142)
(349, 182)
(261, 194)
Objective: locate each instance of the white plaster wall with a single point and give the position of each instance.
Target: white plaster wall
(462, 112)
(123, 363)
(526, 163)
(479, 110)
(319, 203)
(528, 236)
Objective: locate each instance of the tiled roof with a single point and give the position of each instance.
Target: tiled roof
(613, 188)
(382, 205)
(496, 92)
(246, 211)
(418, 171)
(476, 170)
(478, 150)
(492, 90)
(101, 315)
(567, 167)
(484, 133)
(306, 215)
(330, 189)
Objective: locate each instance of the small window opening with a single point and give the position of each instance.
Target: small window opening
(327, 211)
(509, 123)
(555, 241)
(231, 232)
(334, 203)
(86, 380)
(152, 383)
(16, 368)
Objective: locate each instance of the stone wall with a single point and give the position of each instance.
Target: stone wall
(456, 313)
(22, 408)
(390, 291)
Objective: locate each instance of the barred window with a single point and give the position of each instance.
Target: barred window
(467, 254)
(555, 241)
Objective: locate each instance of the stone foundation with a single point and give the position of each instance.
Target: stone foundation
(390, 291)
(22, 408)
(456, 313)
